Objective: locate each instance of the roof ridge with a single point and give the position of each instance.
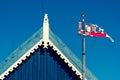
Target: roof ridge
(33, 41)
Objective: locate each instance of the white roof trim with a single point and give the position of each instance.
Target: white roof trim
(46, 29)
(66, 60)
(46, 40)
(19, 61)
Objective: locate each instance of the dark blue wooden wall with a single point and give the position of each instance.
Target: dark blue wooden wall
(43, 64)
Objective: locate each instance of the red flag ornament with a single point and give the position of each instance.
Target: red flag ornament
(92, 30)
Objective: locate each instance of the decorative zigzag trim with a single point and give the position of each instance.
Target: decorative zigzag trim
(19, 61)
(66, 60)
(28, 53)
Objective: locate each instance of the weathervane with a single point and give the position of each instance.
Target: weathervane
(90, 30)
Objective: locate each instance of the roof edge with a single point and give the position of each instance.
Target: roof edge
(69, 56)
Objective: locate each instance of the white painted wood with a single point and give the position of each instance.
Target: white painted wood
(66, 60)
(45, 39)
(45, 30)
(19, 61)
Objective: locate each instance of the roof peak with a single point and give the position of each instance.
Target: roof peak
(46, 29)
(29, 46)
(46, 18)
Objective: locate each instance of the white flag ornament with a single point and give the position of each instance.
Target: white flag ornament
(92, 30)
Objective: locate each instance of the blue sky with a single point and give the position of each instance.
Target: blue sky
(19, 19)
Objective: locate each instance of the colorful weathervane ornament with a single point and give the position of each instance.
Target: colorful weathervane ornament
(91, 30)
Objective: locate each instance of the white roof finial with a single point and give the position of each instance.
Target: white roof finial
(46, 18)
(46, 29)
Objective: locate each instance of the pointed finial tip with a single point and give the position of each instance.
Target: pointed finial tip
(83, 15)
(46, 16)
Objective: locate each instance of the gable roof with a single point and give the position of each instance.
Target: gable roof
(45, 35)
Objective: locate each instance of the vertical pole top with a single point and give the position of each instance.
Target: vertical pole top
(83, 16)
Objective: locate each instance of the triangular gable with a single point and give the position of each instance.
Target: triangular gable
(47, 36)
(20, 53)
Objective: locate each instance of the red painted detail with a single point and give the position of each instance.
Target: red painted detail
(96, 34)
(92, 34)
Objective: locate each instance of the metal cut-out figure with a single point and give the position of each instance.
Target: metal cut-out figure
(92, 30)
